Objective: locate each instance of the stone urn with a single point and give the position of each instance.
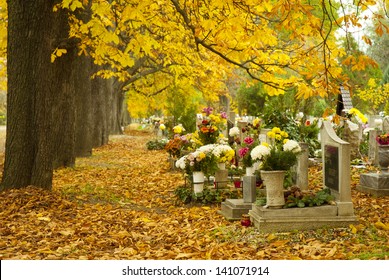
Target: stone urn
(383, 157)
(274, 183)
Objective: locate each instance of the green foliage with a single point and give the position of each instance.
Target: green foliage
(182, 108)
(251, 100)
(279, 160)
(297, 130)
(295, 198)
(185, 194)
(157, 144)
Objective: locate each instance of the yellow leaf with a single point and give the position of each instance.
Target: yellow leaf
(381, 225)
(67, 232)
(271, 237)
(353, 229)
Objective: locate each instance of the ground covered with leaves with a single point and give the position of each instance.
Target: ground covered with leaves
(120, 204)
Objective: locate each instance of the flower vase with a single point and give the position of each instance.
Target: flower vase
(250, 171)
(221, 165)
(383, 157)
(198, 181)
(237, 182)
(274, 183)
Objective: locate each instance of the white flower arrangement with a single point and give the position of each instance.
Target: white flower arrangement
(234, 131)
(259, 152)
(181, 162)
(292, 145)
(224, 153)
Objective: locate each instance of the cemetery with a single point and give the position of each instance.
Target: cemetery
(194, 130)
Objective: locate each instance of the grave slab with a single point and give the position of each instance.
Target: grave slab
(376, 184)
(233, 209)
(289, 219)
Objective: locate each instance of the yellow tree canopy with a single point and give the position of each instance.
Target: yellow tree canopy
(152, 45)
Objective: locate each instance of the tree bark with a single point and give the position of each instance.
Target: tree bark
(34, 86)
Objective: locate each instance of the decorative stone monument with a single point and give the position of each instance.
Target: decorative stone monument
(233, 209)
(336, 176)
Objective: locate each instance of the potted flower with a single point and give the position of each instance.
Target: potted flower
(383, 151)
(275, 159)
(202, 162)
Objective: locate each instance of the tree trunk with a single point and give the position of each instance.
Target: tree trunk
(34, 86)
(84, 110)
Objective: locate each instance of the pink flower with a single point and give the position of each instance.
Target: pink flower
(243, 151)
(223, 115)
(248, 140)
(208, 110)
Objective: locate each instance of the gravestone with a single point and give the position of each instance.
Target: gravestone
(344, 101)
(373, 146)
(221, 178)
(233, 209)
(241, 125)
(385, 125)
(302, 167)
(336, 177)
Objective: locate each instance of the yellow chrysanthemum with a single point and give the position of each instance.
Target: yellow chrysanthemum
(284, 134)
(256, 121)
(271, 134)
(276, 130)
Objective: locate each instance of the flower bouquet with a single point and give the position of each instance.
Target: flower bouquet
(211, 125)
(223, 153)
(244, 152)
(281, 154)
(203, 159)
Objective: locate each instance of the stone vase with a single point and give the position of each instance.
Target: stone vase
(383, 157)
(274, 183)
(198, 181)
(221, 165)
(250, 171)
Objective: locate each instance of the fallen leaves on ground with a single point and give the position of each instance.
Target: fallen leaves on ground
(120, 204)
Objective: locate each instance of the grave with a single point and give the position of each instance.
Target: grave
(233, 209)
(376, 184)
(336, 177)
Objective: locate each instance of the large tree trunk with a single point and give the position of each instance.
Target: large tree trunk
(34, 86)
(84, 110)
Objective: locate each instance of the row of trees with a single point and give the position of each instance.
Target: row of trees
(57, 112)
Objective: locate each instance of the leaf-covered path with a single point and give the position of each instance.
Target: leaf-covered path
(119, 204)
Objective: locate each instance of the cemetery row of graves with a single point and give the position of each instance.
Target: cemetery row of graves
(259, 172)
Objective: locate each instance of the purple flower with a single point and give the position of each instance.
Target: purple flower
(208, 110)
(223, 115)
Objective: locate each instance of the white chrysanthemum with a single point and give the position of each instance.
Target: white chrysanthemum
(234, 131)
(221, 150)
(207, 148)
(181, 162)
(259, 152)
(292, 146)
